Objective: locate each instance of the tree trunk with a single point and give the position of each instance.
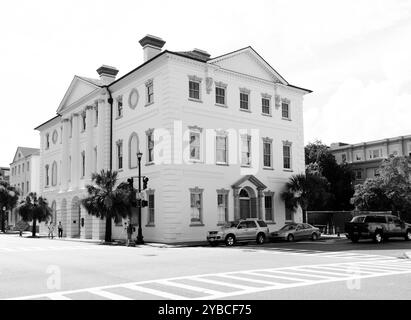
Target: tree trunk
(108, 229)
(34, 228)
(304, 216)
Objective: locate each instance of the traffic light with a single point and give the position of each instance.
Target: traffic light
(145, 181)
(144, 203)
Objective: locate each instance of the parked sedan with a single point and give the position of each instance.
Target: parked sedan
(296, 231)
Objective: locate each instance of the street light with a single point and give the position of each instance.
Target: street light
(140, 231)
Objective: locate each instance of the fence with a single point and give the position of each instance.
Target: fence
(333, 222)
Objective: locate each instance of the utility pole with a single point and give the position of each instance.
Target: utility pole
(140, 231)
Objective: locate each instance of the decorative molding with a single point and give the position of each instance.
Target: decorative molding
(119, 141)
(220, 84)
(245, 90)
(221, 132)
(149, 82)
(223, 191)
(133, 98)
(65, 120)
(196, 190)
(267, 139)
(266, 96)
(209, 85)
(89, 107)
(149, 131)
(269, 193)
(195, 128)
(285, 100)
(287, 143)
(195, 78)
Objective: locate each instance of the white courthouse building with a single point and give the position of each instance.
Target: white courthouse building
(219, 136)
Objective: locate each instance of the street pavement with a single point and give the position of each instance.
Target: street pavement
(326, 269)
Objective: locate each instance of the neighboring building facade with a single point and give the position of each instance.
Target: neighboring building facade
(365, 158)
(220, 137)
(5, 174)
(24, 175)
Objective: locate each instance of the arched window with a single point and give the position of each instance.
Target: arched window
(54, 174)
(47, 175)
(244, 194)
(133, 149)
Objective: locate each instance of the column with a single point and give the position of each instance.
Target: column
(236, 192)
(89, 144)
(75, 152)
(65, 156)
(260, 199)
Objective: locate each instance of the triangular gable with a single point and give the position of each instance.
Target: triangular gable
(77, 90)
(248, 61)
(24, 152)
(252, 179)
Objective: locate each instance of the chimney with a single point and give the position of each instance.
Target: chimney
(107, 74)
(151, 46)
(204, 55)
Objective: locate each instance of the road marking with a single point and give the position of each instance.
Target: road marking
(346, 271)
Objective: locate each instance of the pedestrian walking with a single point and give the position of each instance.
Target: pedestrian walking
(60, 230)
(51, 230)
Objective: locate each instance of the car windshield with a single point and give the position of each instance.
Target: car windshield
(358, 219)
(288, 227)
(231, 224)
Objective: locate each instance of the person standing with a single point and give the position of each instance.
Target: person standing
(51, 230)
(60, 230)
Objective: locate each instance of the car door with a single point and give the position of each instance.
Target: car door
(398, 227)
(242, 230)
(251, 230)
(299, 231)
(307, 231)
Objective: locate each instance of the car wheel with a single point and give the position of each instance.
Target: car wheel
(290, 238)
(378, 237)
(260, 238)
(408, 235)
(314, 236)
(230, 240)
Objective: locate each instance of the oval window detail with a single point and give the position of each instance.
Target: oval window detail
(133, 98)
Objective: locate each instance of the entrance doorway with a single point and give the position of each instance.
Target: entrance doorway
(248, 203)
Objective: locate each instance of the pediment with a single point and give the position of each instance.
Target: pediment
(77, 90)
(253, 179)
(248, 61)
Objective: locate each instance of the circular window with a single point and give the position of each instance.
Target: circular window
(55, 136)
(133, 98)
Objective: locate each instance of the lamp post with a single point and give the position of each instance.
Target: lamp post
(140, 231)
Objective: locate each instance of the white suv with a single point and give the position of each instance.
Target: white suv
(238, 231)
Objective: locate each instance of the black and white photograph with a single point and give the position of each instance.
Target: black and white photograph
(204, 156)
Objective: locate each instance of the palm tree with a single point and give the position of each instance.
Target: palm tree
(306, 191)
(34, 209)
(106, 201)
(8, 200)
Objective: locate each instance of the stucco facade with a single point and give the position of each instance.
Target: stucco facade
(365, 158)
(168, 109)
(24, 175)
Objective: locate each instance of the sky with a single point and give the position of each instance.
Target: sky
(354, 55)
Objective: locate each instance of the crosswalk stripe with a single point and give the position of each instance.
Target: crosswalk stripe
(314, 269)
(109, 295)
(276, 277)
(154, 292)
(348, 269)
(303, 274)
(188, 287)
(380, 267)
(221, 283)
(249, 279)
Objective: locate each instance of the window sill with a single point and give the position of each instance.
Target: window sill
(246, 166)
(287, 119)
(245, 110)
(268, 168)
(195, 161)
(222, 164)
(149, 104)
(195, 100)
(193, 224)
(221, 105)
(266, 114)
(150, 225)
(288, 170)
(150, 164)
